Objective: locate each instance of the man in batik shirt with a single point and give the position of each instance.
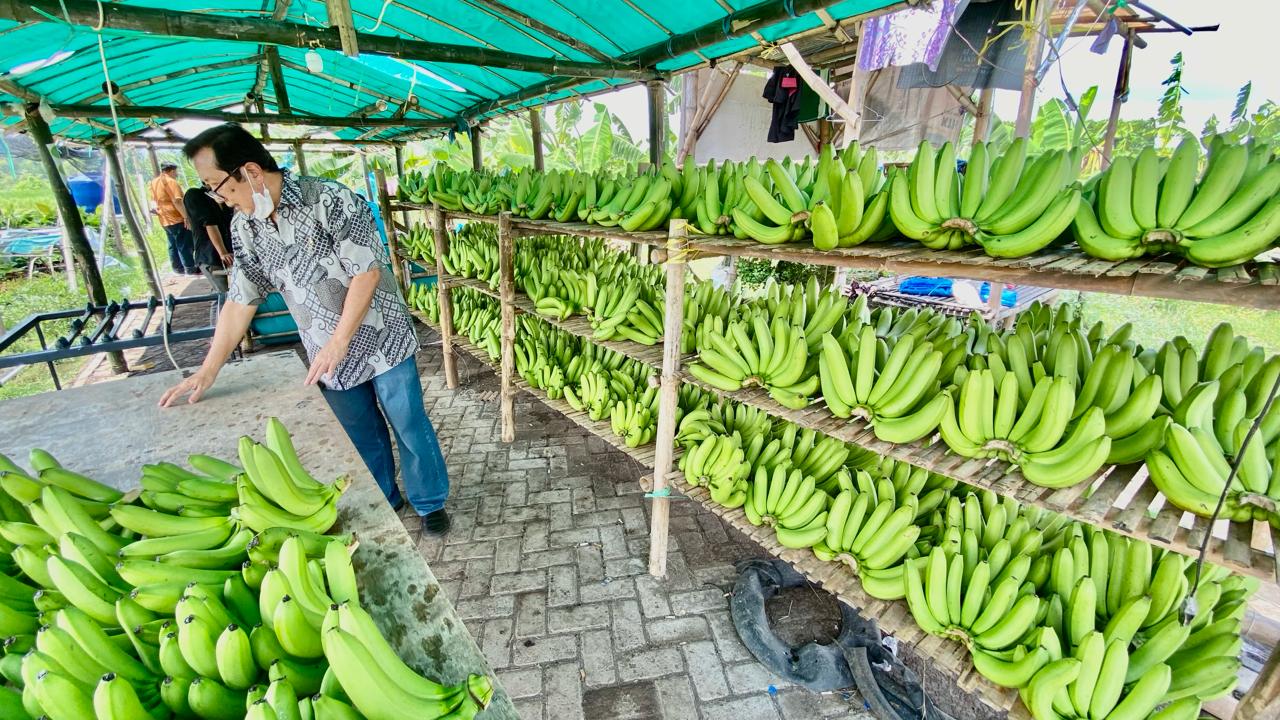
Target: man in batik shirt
(315, 242)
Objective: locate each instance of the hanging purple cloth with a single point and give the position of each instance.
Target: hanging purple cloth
(914, 35)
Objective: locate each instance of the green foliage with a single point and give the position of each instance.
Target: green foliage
(508, 142)
(1170, 123)
(753, 272)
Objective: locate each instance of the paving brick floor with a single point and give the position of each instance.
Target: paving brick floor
(547, 565)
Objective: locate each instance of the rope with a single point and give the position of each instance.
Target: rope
(115, 123)
(383, 11)
(790, 7)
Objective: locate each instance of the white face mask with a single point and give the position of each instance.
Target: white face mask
(262, 204)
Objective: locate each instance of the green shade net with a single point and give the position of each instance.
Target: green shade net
(61, 62)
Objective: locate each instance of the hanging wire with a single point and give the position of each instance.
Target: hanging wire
(115, 123)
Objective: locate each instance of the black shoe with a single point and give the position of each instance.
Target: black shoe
(436, 523)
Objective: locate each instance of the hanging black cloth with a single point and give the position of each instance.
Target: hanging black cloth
(783, 91)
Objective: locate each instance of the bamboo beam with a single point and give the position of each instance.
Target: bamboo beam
(1118, 97)
(398, 148)
(70, 214)
(507, 298)
(476, 156)
(117, 17)
(146, 111)
(522, 20)
(668, 396)
(735, 24)
(815, 83)
(965, 100)
(368, 181)
(657, 121)
(340, 17)
(535, 131)
(121, 181)
(341, 82)
(1027, 102)
(277, 79)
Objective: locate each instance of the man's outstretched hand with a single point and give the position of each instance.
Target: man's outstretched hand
(192, 387)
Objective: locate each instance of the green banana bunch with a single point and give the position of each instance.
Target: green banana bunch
(873, 538)
(986, 421)
(775, 357)
(791, 503)
(1224, 217)
(718, 461)
(1011, 207)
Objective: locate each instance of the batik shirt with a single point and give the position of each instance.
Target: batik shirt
(323, 235)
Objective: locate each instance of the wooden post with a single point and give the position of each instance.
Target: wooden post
(1027, 103)
(71, 220)
(368, 182)
(393, 240)
(476, 157)
(1118, 98)
(155, 160)
(657, 121)
(507, 295)
(399, 151)
(535, 130)
(107, 219)
(139, 238)
(302, 159)
(446, 304)
(668, 397)
(982, 120)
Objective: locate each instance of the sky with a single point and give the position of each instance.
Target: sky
(1217, 64)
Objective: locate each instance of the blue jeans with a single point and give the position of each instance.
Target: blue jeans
(395, 396)
(181, 248)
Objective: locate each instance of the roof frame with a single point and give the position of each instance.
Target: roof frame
(175, 23)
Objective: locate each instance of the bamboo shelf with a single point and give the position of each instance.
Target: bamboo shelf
(891, 616)
(1253, 284)
(1249, 285)
(1119, 498)
(650, 355)
(600, 428)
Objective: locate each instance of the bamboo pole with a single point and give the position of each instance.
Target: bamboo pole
(446, 303)
(982, 119)
(507, 295)
(1035, 43)
(1262, 701)
(368, 182)
(302, 159)
(657, 121)
(668, 396)
(535, 130)
(71, 220)
(126, 207)
(393, 239)
(155, 160)
(107, 219)
(1118, 98)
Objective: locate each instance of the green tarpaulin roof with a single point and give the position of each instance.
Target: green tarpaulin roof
(60, 61)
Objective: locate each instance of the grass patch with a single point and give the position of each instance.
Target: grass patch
(1157, 320)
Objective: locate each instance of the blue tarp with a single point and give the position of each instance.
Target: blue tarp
(941, 287)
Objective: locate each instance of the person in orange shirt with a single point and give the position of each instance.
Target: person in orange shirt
(166, 199)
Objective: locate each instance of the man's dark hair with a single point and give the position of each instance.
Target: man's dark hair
(232, 147)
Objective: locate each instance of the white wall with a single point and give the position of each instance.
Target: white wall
(740, 128)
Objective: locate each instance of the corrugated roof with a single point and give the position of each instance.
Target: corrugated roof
(59, 61)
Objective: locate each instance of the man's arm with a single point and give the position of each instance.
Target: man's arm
(354, 308)
(215, 237)
(233, 321)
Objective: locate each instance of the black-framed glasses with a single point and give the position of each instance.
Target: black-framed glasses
(213, 194)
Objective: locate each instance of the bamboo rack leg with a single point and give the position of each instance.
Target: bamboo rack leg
(446, 305)
(393, 240)
(507, 295)
(1262, 702)
(668, 396)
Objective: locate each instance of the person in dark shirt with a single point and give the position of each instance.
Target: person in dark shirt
(211, 226)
